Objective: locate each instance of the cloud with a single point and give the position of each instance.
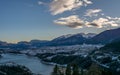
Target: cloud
(111, 18)
(60, 6)
(103, 22)
(98, 22)
(42, 3)
(92, 12)
(75, 22)
(72, 21)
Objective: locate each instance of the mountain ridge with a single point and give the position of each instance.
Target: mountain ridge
(70, 39)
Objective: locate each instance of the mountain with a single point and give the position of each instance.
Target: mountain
(89, 35)
(112, 47)
(105, 37)
(23, 44)
(90, 38)
(3, 44)
(31, 44)
(71, 39)
(39, 43)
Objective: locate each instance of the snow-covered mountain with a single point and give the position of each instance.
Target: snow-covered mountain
(89, 35)
(70, 39)
(63, 37)
(106, 36)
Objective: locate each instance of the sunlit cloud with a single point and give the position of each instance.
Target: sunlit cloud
(103, 22)
(92, 12)
(91, 18)
(41, 3)
(60, 6)
(75, 22)
(72, 21)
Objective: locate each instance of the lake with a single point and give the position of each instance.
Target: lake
(33, 63)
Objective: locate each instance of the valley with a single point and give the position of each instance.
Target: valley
(68, 49)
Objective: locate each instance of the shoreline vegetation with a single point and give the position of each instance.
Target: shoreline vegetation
(14, 69)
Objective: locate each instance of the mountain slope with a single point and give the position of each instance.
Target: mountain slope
(105, 37)
(71, 39)
(112, 47)
(109, 56)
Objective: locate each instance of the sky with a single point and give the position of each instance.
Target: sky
(24, 20)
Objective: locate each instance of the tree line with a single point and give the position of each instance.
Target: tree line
(74, 69)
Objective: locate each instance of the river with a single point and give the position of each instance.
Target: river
(33, 63)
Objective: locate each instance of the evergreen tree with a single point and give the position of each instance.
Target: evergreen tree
(61, 73)
(56, 70)
(81, 72)
(68, 70)
(107, 72)
(75, 70)
(94, 70)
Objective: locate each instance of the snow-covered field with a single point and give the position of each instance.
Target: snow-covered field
(76, 49)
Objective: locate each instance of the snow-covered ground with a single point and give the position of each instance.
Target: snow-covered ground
(76, 49)
(108, 60)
